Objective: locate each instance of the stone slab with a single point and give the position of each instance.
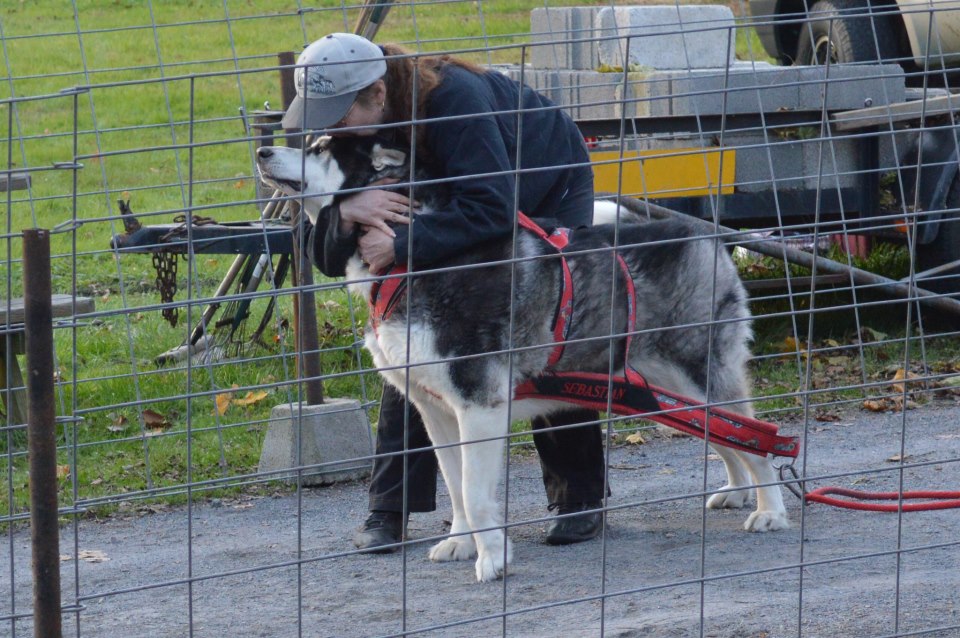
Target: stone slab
(666, 36)
(561, 38)
(593, 95)
(334, 438)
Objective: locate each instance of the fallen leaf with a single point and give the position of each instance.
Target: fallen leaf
(223, 402)
(869, 334)
(876, 405)
(119, 424)
(63, 471)
(900, 376)
(93, 556)
(252, 397)
(155, 420)
(827, 417)
(951, 382)
(635, 439)
(896, 458)
(789, 345)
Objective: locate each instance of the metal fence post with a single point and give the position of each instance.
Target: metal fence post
(41, 428)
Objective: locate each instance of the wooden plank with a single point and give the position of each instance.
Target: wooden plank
(900, 112)
(62, 307)
(14, 182)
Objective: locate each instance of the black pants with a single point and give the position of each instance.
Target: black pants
(571, 459)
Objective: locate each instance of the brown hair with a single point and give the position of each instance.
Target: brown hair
(403, 69)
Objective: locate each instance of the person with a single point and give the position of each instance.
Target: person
(464, 126)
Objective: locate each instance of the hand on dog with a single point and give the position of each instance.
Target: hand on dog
(376, 209)
(376, 249)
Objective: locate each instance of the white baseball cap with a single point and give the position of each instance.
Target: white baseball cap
(330, 73)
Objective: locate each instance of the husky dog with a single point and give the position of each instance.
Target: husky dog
(463, 338)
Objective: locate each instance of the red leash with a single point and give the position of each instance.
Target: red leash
(949, 499)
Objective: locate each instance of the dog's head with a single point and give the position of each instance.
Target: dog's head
(328, 166)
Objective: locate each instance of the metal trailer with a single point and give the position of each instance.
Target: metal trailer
(886, 170)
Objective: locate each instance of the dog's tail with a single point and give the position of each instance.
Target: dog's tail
(607, 211)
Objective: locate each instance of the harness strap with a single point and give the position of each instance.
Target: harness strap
(633, 396)
(385, 294)
(559, 239)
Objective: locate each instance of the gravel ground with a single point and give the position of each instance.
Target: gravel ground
(664, 568)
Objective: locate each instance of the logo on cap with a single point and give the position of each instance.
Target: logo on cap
(316, 83)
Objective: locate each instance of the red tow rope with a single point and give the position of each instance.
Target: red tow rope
(948, 499)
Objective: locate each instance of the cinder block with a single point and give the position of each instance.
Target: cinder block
(743, 88)
(561, 38)
(334, 439)
(846, 86)
(592, 95)
(667, 37)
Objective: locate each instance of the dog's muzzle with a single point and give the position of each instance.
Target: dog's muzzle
(264, 155)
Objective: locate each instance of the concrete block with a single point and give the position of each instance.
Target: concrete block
(741, 89)
(332, 436)
(847, 86)
(561, 38)
(666, 37)
(592, 95)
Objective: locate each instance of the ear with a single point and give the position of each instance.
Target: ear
(382, 157)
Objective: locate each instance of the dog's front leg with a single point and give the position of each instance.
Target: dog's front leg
(482, 431)
(442, 427)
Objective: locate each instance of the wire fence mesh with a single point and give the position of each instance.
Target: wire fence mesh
(131, 131)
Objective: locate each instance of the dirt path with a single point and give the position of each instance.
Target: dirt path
(651, 576)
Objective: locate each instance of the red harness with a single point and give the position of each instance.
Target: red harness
(628, 395)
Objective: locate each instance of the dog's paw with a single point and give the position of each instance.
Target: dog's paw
(490, 565)
(767, 521)
(456, 548)
(732, 499)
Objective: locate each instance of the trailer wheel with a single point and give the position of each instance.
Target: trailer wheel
(945, 248)
(850, 38)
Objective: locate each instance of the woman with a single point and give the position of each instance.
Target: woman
(462, 120)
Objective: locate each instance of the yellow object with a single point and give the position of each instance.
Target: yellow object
(681, 172)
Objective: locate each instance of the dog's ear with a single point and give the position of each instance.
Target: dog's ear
(318, 144)
(382, 157)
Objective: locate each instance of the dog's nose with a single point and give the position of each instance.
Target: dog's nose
(264, 152)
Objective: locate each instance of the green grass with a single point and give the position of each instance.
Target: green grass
(154, 83)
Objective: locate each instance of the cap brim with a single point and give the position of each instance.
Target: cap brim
(317, 113)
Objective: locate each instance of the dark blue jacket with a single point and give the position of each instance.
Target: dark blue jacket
(472, 133)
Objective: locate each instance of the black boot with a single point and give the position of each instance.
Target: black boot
(379, 533)
(575, 529)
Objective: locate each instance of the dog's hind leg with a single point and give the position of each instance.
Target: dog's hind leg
(442, 427)
(482, 430)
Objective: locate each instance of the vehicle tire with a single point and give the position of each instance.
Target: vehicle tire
(851, 38)
(945, 248)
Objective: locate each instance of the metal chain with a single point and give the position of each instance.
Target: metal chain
(165, 263)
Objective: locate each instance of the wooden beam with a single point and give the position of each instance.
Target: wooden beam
(14, 182)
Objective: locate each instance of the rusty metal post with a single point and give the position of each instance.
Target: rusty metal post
(42, 434)
(305, 321)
